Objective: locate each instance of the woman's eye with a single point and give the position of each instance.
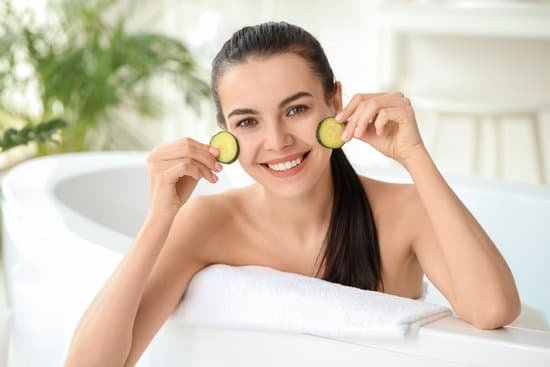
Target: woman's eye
(240, 123)
(296, 110)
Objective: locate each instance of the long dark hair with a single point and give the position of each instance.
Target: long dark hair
(352, 253)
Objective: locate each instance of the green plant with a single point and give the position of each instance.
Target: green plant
(43, 132)
(82, 67)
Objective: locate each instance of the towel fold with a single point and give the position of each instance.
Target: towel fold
(261, 298)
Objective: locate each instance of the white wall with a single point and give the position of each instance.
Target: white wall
(486, 66)
(346, 29)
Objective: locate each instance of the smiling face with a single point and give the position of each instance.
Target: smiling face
(272, 104)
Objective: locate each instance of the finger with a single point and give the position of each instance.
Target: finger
(352, 105)
(384, 116)
(213, 150)
(362, 122)
(206, 173)
(190, 166)
(193, 171)
(349, 109)
(372, 108)
(349, 129)
(360, 119)
(166, 164)
(174, 173)
(368, 116)
(198, 170)
(177, 148)
(206, 154)
(188, 147)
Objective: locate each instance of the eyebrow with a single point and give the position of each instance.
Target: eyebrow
(242, 111)
(293, 97)
(284, 102)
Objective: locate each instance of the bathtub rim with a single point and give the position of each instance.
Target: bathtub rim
(453, 336)
(16, 197)
(75, 164)
(19, 192)
(436, 328)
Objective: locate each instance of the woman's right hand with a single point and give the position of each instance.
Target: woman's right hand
(174, 171)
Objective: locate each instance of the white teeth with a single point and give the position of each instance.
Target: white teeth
(286, 165)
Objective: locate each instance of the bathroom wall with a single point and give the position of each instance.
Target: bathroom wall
(345, 28)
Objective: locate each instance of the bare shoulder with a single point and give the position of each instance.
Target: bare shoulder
(395, 204)
(209, 209)
(216, 208)
(390, 195)
(212, 216)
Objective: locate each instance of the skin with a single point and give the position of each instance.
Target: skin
(300, 204)
(422, 227)
(437, 234)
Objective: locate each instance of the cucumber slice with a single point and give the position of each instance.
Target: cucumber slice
(329, 133)
(227, 144)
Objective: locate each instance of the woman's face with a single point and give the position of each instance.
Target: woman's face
(273, 105)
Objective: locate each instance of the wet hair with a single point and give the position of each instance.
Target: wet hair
(352, 254)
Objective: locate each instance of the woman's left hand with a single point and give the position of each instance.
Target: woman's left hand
(386, 121)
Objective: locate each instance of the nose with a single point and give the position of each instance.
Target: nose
(277, 137)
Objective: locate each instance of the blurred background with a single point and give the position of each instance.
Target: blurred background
(129, 75)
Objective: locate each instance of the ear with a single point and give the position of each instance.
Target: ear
(336, 101)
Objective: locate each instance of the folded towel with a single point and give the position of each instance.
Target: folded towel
(261, 298)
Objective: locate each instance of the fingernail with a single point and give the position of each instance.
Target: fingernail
(339, 116)
(214, 177)
(356, 134)
(213, 150)
(218, 167)
(345, 135)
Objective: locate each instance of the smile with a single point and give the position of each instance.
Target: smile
(285, 169)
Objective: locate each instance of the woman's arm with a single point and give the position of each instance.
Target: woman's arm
(185, 252)
(146, 287)
(452, 248)
(104, 334)
(455, 251)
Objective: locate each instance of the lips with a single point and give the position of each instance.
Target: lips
(286, 159)
(287, 173)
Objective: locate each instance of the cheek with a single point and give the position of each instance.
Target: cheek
(322, 154)
(310, 132)
(248, 147)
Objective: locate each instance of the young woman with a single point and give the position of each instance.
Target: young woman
(272, 84)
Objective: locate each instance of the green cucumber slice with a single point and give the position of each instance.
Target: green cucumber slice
(329, 133)
(227, 144)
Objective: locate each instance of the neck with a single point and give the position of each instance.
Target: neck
(303, 219)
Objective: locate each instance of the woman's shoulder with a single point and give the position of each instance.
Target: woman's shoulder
(389, 194)
(222, 210)
(395, 204)
(219, 206)
(209, 219)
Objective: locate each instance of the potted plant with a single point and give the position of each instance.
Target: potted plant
(82, 65)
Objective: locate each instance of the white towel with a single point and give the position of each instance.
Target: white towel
(261, 298)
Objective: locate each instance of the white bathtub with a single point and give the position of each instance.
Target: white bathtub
(68, 219)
